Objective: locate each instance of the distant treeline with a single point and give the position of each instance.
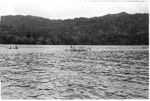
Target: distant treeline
(111, 29)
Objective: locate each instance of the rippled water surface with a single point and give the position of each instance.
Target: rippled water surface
(50, 72)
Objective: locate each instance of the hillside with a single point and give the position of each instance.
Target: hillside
(111, 29)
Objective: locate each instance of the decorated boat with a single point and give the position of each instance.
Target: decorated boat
(78, 49)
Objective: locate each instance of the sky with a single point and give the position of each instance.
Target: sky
(66, 9)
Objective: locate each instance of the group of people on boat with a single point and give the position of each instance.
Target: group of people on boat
(13, 47)
(73, 48)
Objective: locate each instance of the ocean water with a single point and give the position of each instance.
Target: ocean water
(50, 72)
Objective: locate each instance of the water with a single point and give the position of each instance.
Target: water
(50, 72)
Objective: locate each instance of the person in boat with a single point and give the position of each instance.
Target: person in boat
(72, 47)
(16, 47)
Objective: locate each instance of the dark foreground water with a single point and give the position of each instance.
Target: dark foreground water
(50, 72)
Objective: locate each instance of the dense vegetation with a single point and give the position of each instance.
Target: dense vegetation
(111, 29)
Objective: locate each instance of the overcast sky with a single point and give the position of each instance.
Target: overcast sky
(64, 9)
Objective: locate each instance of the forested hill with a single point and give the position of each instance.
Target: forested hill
(111, 29)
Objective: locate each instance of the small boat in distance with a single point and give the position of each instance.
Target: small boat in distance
(13, 47)
(79, 49)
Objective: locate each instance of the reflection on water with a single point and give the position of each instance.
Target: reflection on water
(50, 72)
